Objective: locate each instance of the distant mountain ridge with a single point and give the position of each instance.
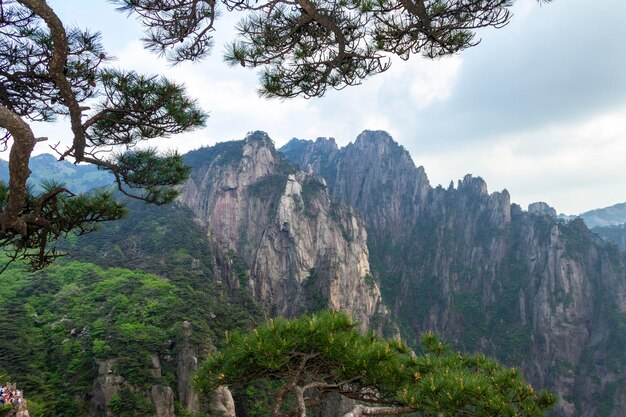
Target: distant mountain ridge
(608, 223)
(46, 167)
(615, 234)
(608, 216)
(86, 177)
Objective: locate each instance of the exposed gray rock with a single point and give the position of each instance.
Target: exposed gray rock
(542, 295)
(301, 249)
(186, 366)
(21, 409)
(223, 404)
(105, 386)
(542, 209)
(108, 384)
(155, 371)
(162, 397)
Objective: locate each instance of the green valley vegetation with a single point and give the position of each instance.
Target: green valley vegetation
(58, 324)
(306, 359)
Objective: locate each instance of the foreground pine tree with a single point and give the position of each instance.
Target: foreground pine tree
(49, 70)
(309, 357)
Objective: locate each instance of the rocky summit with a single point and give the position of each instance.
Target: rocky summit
(302, 251)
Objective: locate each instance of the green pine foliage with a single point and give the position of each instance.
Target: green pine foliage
(59, 70)
(56, 323)
(63, 214)
(324, 353)
(123, 293)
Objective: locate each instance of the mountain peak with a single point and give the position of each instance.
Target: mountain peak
(328, 144)
(379, 142)
(374, 135)
(261, 138)
(379, 137)
(540, 208)
(44, 157)
(476, 184)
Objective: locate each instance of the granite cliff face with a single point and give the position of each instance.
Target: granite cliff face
(547, 295)
(110, 387)
(110, 390)
(298, 250)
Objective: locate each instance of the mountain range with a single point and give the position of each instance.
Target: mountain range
(260, 231)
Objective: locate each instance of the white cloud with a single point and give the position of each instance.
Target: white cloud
(432, 81)
(534, 108)
(524, 9)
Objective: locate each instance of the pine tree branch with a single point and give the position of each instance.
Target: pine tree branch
(57, 68)
(23, 145)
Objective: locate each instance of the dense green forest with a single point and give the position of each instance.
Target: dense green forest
(56, 324)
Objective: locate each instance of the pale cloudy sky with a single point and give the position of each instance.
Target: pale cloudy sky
(538, 108)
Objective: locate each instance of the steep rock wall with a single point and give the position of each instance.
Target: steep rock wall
(108, 390)
(535, 292)
(301, 251)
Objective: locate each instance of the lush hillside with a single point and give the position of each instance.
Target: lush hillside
(118, 327)
(57, 323)
(64, 329)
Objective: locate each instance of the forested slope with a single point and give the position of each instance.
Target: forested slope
(123, 321)
(86, 336)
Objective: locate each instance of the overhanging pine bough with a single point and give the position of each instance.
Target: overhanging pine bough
(313, 356)
(306, 46)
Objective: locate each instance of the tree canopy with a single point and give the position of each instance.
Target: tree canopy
(302, 47)
(309, 357)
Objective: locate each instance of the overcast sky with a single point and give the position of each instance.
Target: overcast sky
(538, 108)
